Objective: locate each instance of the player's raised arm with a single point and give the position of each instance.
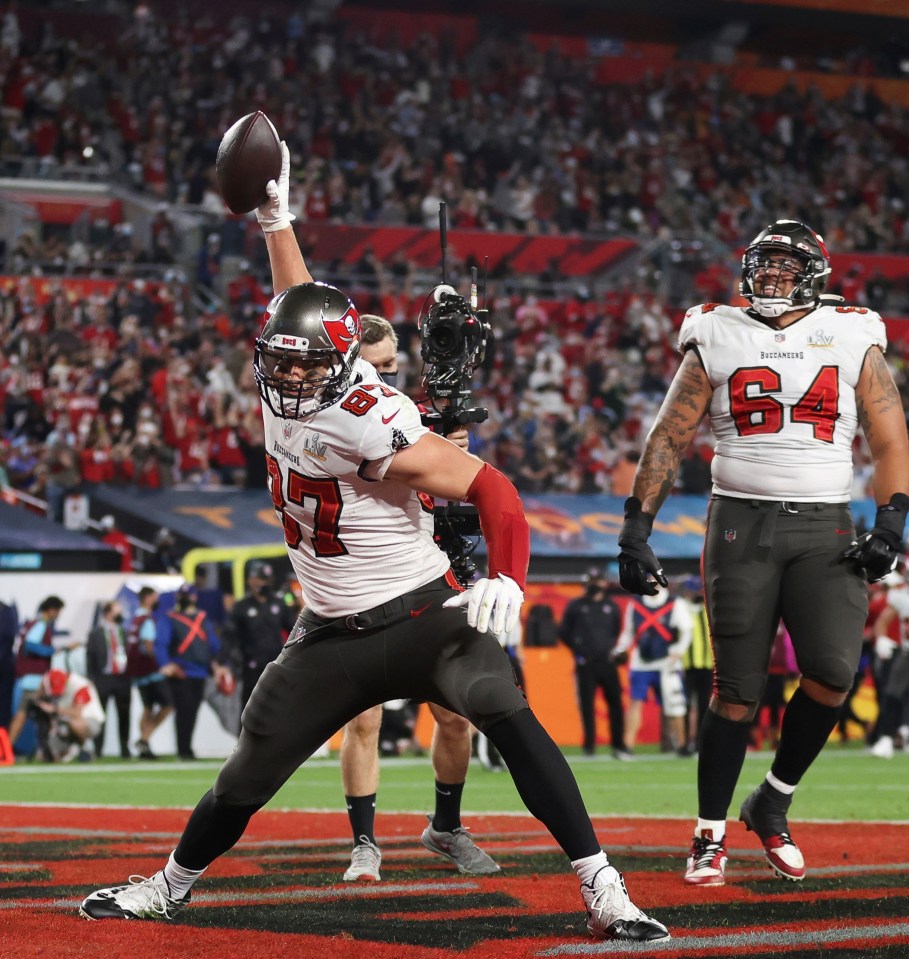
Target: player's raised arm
(288, 268)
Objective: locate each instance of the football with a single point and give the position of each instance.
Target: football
(248, 157)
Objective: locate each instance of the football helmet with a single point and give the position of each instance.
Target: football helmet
(314, 326)
(804, 261)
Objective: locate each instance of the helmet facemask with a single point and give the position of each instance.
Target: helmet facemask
(291, 396)
(785, 268)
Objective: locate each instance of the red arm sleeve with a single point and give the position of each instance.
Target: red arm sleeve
(503, 523)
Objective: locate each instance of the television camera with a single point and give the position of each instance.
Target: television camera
(453, 339)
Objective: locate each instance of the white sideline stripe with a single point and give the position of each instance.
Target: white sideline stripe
(351, 891)
(735, 940)
(465, 813)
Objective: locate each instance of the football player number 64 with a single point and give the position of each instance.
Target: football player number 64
(757, 411)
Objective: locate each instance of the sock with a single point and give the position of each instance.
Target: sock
(447, 817)
(779, 785)
(361, 811)
(178, 880)
(715, 827)
(805, 729)
(589, 866)
(722, 745)
(545, 782)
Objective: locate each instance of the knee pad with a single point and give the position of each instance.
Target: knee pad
(493, 698)
(833, 672)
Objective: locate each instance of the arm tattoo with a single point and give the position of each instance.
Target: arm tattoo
(876, 393)
(678, 419)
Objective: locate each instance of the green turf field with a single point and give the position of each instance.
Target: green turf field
(844, 783)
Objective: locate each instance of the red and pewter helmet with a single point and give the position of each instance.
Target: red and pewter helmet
(312, 322)
(805, 259)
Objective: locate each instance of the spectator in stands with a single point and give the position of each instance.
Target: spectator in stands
(166, 556)
(118, 540)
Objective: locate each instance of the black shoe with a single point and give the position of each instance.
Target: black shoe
(622, 754)
(764, 813)
(188, 757)
(144, 750)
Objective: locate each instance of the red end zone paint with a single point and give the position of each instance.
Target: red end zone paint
(279, 892)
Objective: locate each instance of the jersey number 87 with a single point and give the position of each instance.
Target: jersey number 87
(325, 495)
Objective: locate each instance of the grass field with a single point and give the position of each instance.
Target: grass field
(65, 830)
(844, 784)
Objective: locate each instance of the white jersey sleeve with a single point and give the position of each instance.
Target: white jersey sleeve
(355, 540)
(899, 600)
(783, 408)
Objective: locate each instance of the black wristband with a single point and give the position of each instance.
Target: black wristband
(638, 525)
(891, 518)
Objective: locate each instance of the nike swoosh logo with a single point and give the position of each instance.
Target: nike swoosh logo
(419, 612)
(387, 419)
(844, 532)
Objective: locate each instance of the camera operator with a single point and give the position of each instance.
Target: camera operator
(451, 741)
(67, 713)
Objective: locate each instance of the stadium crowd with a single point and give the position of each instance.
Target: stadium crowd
(133, 383)
(130, 387)
(512, 137)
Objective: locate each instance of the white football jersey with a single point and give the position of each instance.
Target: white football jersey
(355, 540)
(898, 598)
(783, 409)
(78, 691)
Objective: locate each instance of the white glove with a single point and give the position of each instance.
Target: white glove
(274, 214)
(884, 647)
(497, 599)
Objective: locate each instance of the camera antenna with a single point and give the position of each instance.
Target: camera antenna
(473, 288)
(485, 278)
(443, 236)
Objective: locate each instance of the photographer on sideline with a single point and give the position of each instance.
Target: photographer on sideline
(67, 713)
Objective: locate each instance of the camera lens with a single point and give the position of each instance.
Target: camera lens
(445, 340)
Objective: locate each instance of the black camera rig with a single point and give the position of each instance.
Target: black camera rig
(453, 339)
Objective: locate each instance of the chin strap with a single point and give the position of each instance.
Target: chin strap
(772, 307)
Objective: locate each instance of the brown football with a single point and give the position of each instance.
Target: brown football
(248, 157)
